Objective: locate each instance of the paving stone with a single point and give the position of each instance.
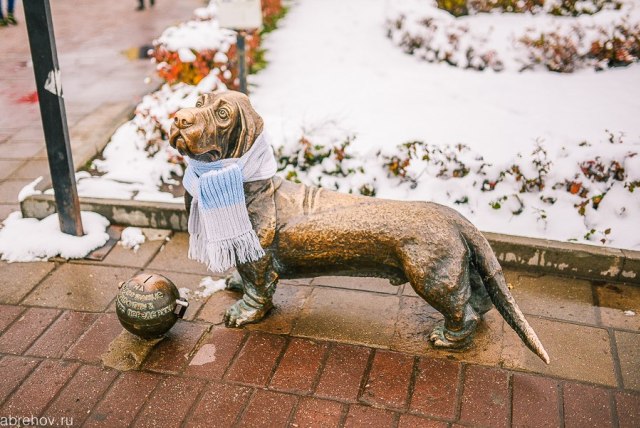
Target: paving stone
(18, 279)
(192, 282)
(8, 314)
(39, 388)
(14, 370)
(213, 310)
(485, 397)
(8, 168)
(313, 412)
(32, 169)
(220, 405)
(435, 388)
(554, 297)
(81, 393)
(9, 190)
(416, 320)
(348, 316)
(576, 352)
(535, 401)
(121, 256)
(268, 409)
(586, 406)
(63, 333)
(299, 366)
(288, 301)
(628, 409)
(362, 416)
(256, 360)
(628, 345)
(377, 285)
(6, 209)
(170, 403)
(80, 287)
(388, 381)
(614, 300)
(122, 402)
(172, 354)
(173, 257)
(96, 340)
(216, 353)
(411, 421)
(26, 329)
(23, 149)
(343, 371)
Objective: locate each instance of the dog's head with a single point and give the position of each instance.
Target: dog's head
(221, 125)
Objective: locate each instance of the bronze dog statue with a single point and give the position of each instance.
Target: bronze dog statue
(308, 231)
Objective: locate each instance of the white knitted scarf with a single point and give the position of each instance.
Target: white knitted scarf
(221, 234)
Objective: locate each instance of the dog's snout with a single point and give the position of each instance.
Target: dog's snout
(184, 118)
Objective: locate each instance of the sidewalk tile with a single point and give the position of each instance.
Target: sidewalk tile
(96, 340)
(288, 301)
(121, 256)
(39, 388)
(14, 370)
(485, 397)
(9, 190)
(628, 407)
(6, 209)
(215, 354)
(63, 333)
(220, 406)
(629, 354)
(81, 393)
(549, 296)
(26, 329)
(435, 388)
(214, 309)
(172, 353)
(80, 287)
(8, 314)
(173, 257)
(122, 402)
(256, 359)
(364, 416)
(417, 319)
(535, 401)
(313, 412)
(8, 168)
(18, 279)
(348, 316)
(377, 285)
(268, 409)
(24, 149)
(586, 406)
(343, 371)
(170, 403)
(614, 300)
(388, 381)
(411, 421)
(576, 352)
(299, 367)
(32, 169)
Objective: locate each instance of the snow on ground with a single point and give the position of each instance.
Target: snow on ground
(29, 239)
(331, 61)
(206, 288)
(132, 238)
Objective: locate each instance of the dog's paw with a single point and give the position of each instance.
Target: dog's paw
(240, 314)
(439, 339)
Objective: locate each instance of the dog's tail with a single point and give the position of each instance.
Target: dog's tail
(493, 278)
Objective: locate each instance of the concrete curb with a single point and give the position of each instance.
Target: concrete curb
(562, 258)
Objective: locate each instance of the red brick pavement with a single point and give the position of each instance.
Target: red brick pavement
(259, 379)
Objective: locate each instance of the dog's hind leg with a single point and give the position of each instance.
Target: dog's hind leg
(480, 300)
(444, 283)
(259, 281)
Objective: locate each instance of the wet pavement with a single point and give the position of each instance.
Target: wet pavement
(334, 352)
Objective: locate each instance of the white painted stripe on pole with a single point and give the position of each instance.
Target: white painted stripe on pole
(53, 83)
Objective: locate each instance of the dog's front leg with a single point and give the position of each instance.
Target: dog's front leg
(259, 279)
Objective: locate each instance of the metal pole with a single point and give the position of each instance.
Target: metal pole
(54, 119)
(242, 61)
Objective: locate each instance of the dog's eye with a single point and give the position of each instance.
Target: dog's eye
(222, 113)
(199, 103)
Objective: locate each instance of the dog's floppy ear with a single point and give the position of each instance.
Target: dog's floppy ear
(248, 127)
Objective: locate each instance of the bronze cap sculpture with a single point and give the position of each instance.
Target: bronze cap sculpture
(307, 231)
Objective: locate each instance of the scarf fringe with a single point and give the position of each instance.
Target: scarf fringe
(226, 253)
